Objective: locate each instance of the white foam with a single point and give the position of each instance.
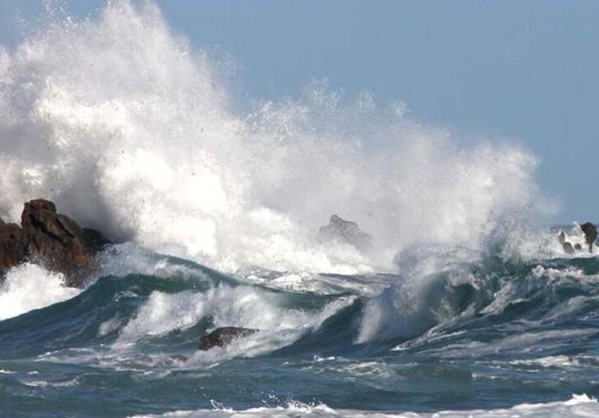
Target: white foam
(44, 384)
(227, 306)
(419, 299)
(577, 406)
(29, 287)
(550, 361)
(421, 303)
(165, 312)
(306, 282)
(128, 258)
(131, 131)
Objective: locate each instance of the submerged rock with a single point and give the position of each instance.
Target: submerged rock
(51, 239)
(223, 336)
(346, 232)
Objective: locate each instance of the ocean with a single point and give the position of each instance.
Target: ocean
(458, 300)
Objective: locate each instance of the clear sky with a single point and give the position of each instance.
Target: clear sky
(519, 70)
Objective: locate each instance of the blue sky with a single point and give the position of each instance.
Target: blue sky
(525, 71)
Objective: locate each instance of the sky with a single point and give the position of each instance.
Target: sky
(518, 71)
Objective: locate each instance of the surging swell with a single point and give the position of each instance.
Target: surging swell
(168, 304)
(132, 131)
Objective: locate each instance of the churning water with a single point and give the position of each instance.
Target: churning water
(464, 302)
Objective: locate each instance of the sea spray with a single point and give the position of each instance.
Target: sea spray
(130, 129)
(135, 133)
(29, 287)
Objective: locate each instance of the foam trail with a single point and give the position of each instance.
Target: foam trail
(132, 131)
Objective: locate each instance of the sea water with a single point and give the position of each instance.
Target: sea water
(464, 305)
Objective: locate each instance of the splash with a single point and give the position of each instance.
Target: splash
(133, 132)
(29, 287)
(225, 306)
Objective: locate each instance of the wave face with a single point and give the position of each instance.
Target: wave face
(463, 302)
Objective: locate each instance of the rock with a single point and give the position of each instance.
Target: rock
(568, 249)
(13, 246)
(95, 240)
(51, 239)
(347, 232)
(223, 336)
(561, 237)
(590, 234)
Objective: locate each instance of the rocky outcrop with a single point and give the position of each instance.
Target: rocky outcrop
(346, 232)
(223, 336)
(51, 239)
(590, 234)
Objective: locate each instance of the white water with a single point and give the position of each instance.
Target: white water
(241, 306)
(130, 130)
(29, 287)
(577, 406)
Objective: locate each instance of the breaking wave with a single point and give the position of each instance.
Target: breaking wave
(217, 204)
(132, 131)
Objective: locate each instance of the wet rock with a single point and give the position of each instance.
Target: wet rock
(95, 240)
(561, 237)
(51, 239)
(590, 234)
(223, 336)
(568, 248)
(13, 246)
(346, 232)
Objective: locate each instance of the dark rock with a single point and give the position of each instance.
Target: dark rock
(51, 239)
(590, 234)
(95, 240)
(347, 232)
(561, 237)
(57, 241)
(223, 336)
(13, 246)
(568, 249)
